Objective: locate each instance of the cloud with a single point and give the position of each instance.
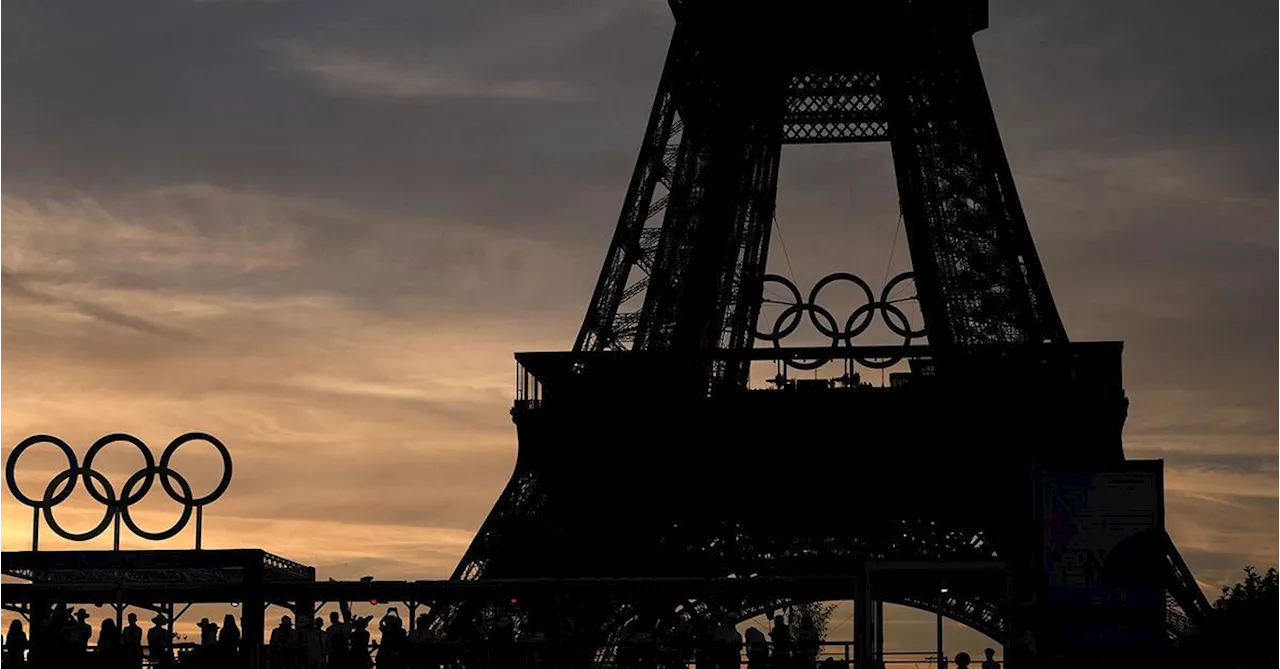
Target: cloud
(364, 76)
(194, 307)
(513, 55)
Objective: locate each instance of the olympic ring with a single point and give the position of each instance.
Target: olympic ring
(136, 487)
(894, 318)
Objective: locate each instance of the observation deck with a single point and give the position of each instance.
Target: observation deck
(639, 435)
(1014, 388)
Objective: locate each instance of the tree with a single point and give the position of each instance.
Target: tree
(1254, 595)
(815, 617)
(1247, 618)
(1242, 632)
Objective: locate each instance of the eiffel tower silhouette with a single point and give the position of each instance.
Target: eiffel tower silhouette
(646, 451)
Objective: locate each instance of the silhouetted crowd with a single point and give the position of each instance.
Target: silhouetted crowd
(62, 640)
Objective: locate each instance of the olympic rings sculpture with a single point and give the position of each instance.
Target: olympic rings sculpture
(826, 324)
(135, 488)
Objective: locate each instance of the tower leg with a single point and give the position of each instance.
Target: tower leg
(977, 271)
(704, 289)
(633, 245)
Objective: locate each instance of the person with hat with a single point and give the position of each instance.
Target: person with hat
(208, 642)
(283, 643)
(77, 634)
(208, 632)
(160, 642)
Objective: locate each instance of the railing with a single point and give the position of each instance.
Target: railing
(528, 388)
(847, 367)
(278, 568)
(522, 654)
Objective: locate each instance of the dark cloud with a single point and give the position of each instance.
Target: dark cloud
(311, 97)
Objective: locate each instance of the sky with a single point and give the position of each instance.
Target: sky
(319, 230)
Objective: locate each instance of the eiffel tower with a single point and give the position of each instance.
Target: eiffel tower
(646, 452)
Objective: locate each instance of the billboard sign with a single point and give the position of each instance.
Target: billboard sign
(1100, 528)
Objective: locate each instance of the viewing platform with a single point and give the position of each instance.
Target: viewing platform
(1091, 369)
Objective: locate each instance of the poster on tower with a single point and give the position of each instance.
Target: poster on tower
(1101, 528)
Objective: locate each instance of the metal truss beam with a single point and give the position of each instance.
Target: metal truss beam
(708, 170)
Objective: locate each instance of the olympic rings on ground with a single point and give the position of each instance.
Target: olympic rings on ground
(826, 324)
(100, 489)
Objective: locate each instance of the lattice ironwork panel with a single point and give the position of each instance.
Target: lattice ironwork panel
(983, 616)
(828, 107)
(277, 568)
(133, 575)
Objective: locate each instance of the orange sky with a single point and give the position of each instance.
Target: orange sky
(321, 235)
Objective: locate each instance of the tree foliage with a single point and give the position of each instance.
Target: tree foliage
(1242, 632)
(1256, 594)
(816, 616)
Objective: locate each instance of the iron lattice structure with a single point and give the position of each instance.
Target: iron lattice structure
(153, 568)
(631, 444)
(685, 266)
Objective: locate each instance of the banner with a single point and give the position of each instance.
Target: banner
(1101, 537)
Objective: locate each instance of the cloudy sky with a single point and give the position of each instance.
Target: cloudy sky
(320, 229)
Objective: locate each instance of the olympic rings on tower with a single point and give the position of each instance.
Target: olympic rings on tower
(826, 324)
(134, 490)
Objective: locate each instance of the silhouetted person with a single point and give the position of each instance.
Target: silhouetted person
(50, 646)
(77, 634)
(990, 662)
(360, 643)
(63, 633)
(311, 640)
(282, 645)
(337, 642)
(962, 660)
(422, 644)
(160, 643)
(781, 635)
(394, 641)
(16, 645)
(757, 649)
(131, 642)
(208, 632)
(206, 653)
(110, 653)
(228, 642)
